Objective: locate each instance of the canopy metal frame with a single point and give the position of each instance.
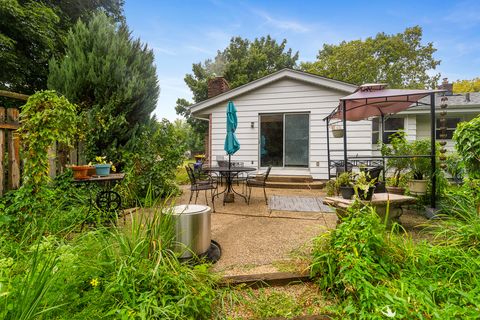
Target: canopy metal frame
(432, 156)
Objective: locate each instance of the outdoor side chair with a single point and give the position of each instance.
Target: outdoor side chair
(201, 185)
(258, 183)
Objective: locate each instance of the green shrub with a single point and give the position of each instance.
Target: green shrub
(375, 274)
(128, 273)
(467, 143)
(152, 159)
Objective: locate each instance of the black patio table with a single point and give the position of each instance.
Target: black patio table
(229, 173)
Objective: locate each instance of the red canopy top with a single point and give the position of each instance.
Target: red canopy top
(373, 100)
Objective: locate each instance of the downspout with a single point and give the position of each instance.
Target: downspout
(328, 148)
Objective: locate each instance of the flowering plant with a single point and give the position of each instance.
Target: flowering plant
(102, 160)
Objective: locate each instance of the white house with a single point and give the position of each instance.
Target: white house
(281, 122)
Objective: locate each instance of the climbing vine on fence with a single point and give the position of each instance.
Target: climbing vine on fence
(46, 118)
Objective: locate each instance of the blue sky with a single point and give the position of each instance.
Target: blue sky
(186, 32)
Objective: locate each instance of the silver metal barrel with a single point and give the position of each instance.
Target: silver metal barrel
(192, 229)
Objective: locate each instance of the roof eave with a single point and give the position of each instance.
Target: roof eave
(284, 73)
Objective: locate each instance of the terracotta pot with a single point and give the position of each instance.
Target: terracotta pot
(396, 190)
(418, 186)
(80, 172)
(91, 171)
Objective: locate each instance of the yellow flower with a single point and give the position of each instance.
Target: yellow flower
(94, 282)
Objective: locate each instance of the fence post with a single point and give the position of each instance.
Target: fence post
(13, 151)
(2, 151)
(52, 155)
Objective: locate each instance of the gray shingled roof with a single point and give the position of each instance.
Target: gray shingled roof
(456, 100)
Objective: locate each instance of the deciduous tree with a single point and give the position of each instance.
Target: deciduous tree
(400, 60)
(241, 62)
(462, 86)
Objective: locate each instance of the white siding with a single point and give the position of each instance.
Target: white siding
(289, 96)
(423, 126)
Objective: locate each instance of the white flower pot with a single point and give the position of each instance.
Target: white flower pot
(418, 187)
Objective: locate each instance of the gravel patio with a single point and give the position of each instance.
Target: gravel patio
(255, 239)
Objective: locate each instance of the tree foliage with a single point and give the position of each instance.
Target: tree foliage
(462, 86)
(400, 60)
(32, 32)
(28, 39)
(111, 77)
(241, 62)
(152, 157)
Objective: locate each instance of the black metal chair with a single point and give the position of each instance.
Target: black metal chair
(258, 183)
(201, 185)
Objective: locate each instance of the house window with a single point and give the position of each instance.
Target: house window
(451, 125)
(392, 125)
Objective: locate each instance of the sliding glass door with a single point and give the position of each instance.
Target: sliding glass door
(284, 140)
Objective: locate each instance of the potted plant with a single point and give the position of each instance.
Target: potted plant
(79, 172)
(344, 184)
(337, 131)
(102, 167)
(420, 166)
(398, 147)
(364, 186)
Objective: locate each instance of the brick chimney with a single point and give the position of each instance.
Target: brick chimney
(446, 86)
(217, 86)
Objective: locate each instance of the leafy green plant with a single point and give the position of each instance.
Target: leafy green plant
(455, 166)
(363, 183)
(420, 166)
(398, 147)
(467, 144)
(151, 160)
(375, 274)
(47, 118)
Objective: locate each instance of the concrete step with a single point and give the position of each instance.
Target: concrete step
(290, 178)
(296, 185)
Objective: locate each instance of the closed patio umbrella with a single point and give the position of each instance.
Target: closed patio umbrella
(231, 142)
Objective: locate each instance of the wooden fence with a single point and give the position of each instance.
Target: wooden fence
(10, 161)
(9, 150)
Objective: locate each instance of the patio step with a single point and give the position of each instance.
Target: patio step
(290, 178)
(296, 185)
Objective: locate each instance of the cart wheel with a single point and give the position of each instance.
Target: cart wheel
(109, 201)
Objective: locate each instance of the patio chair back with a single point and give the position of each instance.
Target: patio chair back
(191, 175)
(374, 173)
(341, 169)
(267, 173)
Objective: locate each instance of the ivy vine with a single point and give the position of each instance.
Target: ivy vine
(46, 118)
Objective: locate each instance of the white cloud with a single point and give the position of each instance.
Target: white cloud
(164, 51)
(289, 25)
(200, 49)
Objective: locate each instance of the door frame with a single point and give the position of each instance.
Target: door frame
(283, 138)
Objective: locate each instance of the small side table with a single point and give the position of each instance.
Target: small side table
(106, 199)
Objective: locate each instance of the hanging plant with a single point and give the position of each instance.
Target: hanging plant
(337, 131)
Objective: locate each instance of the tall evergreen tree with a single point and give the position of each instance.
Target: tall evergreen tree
(111, 77)
(32, 32)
